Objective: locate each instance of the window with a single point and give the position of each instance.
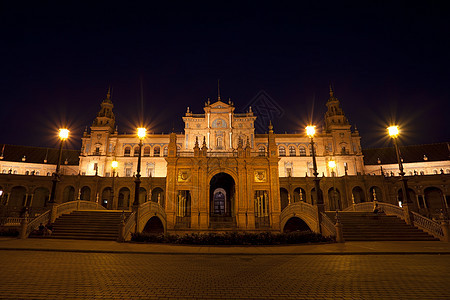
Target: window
(147, 151)
(282, 151)
(97, 150)
(302, 151)
(292, 151)
(262, 151)
(95, 167)
(219, 143)
(27, 172)
(165, 151)
(127, 151)
(128, 172)
(136, 151)
(156, 151)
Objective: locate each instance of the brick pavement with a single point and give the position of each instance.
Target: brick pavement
(60, 275)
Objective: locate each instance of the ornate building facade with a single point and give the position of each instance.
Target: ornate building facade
(220, 174)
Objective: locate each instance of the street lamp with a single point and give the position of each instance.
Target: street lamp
(393, 133)
(114, 165)
(141, 132)
(63, 135)
(332, 166)
(310, 132)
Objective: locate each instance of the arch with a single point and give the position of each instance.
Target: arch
(434, 199)
(299, 194)
(295, 224)
(284, 198)
(165, 151)
(154, 226)
(412, 196)
(127, 151)
(123, 201)
(334, 198)
(40, 198)
(156, 151)
(142, 195)
(281, 151)
(158, 196)
(68, 194)
(358, 195)
(302, 210)
(147, 151)
(136, 151)
(313, 195)
(17, 196)
(375, 193)
(106, 197)
(85, 193)
(222, 193)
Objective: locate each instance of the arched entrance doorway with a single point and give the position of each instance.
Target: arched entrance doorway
(295, 224)
(221, 190)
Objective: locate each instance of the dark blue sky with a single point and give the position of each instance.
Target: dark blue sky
(386, 62)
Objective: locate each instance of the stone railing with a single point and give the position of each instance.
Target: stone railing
(301, 206)
(427, 225)
(77, 205)
(152, 207)
(11, 221)
(44, 219)
(387, 208)
(328, 225)
(393, 210)
(129, 225)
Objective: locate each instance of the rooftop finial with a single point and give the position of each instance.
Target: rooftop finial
(108, 95)
(331, 91)
(270, 126)
(218, 89)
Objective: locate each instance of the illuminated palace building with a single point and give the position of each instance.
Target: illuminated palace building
(221, 175)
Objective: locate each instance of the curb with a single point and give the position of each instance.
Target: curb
(228, 254)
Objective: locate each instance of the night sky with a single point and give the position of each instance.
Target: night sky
(387, 63)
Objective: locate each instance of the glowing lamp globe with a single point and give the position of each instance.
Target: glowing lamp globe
(310, 130)
(141, 132)
(63, 133)
(393, 131)
(114, 164)
(331, 164)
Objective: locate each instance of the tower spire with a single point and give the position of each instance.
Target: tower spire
(331, 91)
(108, 95)
(218, 89)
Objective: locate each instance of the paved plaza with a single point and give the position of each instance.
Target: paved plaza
(100, 275)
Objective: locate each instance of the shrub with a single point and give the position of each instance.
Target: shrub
(9, 232)
(233, 238)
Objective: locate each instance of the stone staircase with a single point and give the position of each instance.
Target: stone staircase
(366, 226)
(88, 225)
(222, 223)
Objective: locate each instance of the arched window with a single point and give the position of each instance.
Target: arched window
(127, 151)
(156, 151)
(136, 151)
(147, 151)
(282, 151)
(262, 151)
(165, 151)
(302, 151)
(292, 151)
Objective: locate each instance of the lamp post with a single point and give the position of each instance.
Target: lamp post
(141, 132)
(310, 131)
(63, 135)
(393, 133)
(332, 166)
(114, 165)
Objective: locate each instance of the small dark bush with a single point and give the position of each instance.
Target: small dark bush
(233, 238)
(9, 232)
